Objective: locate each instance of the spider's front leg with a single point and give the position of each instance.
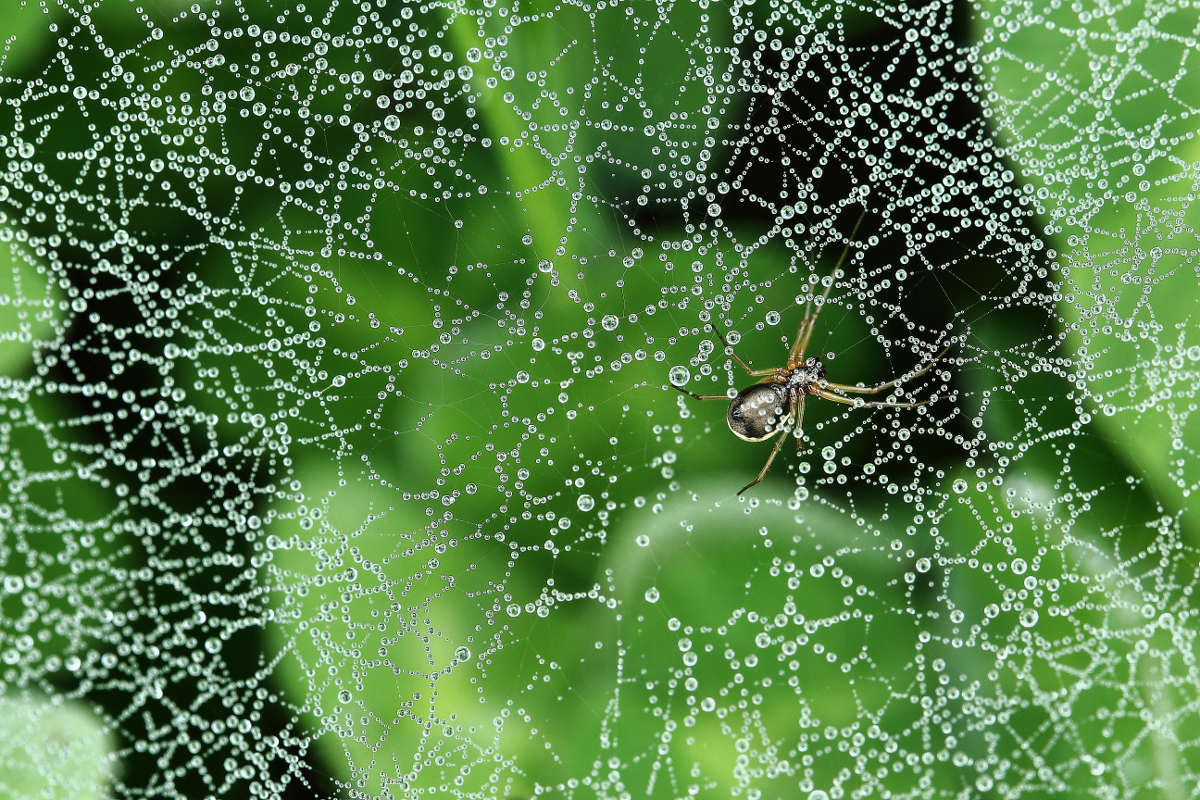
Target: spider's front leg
(810, 316)
(753, 373)
(796, 354)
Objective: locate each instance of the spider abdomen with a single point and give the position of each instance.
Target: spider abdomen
(757, 411)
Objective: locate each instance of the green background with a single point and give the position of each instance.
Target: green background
(369, 603)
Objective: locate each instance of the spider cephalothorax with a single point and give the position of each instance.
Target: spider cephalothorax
(769, 406)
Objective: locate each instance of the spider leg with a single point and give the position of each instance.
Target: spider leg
(902, 379)
(866, 403)
(811, 318)
(799, 429)
(767, 466)
(796, 355)
(702, 396)
(753, 373)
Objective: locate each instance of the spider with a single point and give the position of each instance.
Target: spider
(758, 411)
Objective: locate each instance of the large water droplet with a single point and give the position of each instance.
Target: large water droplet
(679, 375)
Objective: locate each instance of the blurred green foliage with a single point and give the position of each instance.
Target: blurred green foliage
(54, 750)
(1099, 138)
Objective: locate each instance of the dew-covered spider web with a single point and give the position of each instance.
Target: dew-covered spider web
(341, 445)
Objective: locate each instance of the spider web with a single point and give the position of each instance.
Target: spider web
(341, 458)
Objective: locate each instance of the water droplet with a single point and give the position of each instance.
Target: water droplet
(1029, 618)
(773, 317)
(960, 486)
(610, 322)
(545, 265)
(462, 653)
(652, 595)
(679, 375)
(585, 502)
(923, 565)
(538, 344)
